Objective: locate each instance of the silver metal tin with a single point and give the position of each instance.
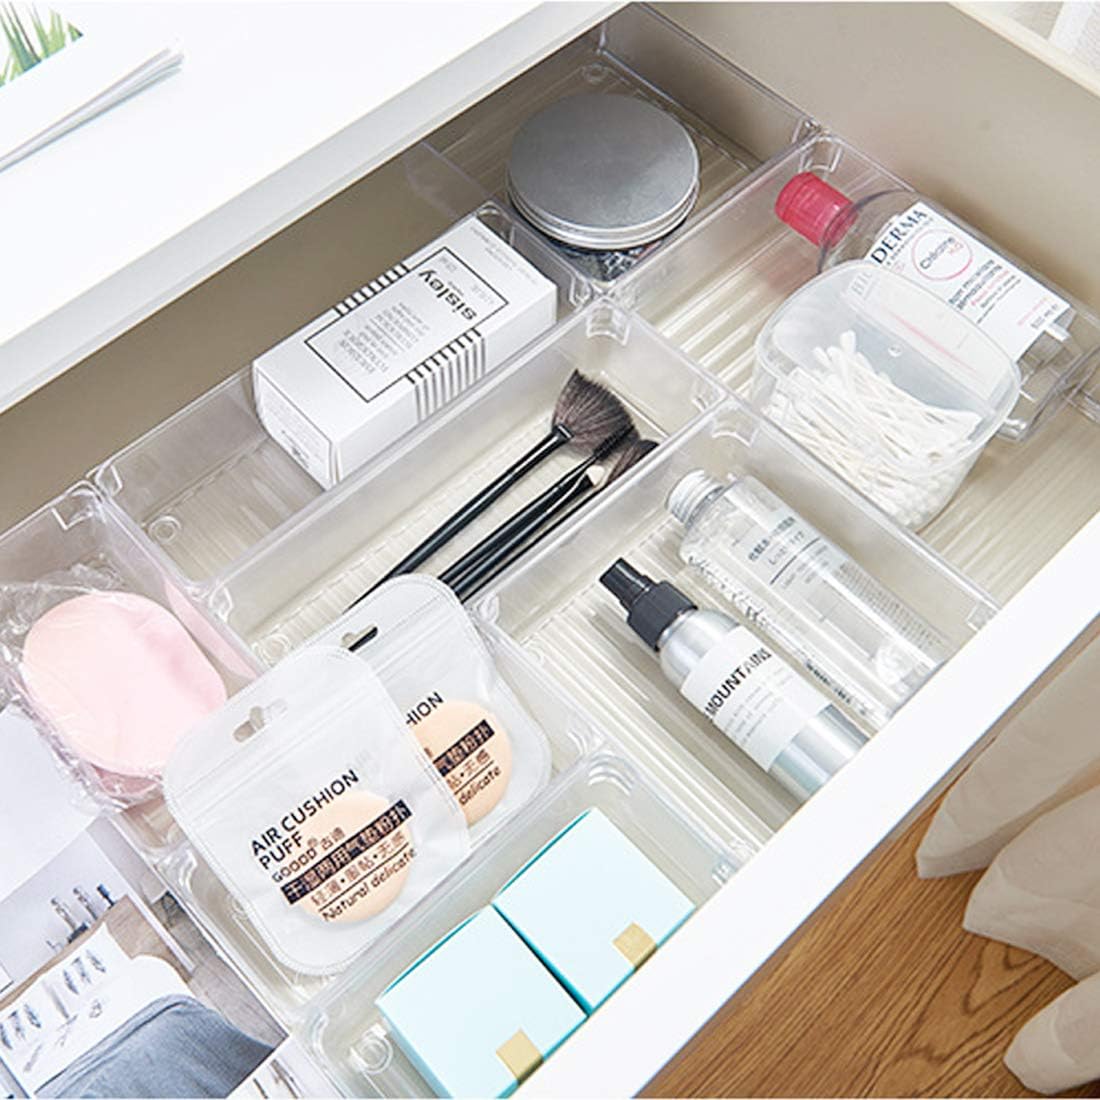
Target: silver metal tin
(603, 171)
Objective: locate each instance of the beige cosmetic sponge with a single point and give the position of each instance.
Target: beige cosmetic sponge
(362, 858)
(471, 751)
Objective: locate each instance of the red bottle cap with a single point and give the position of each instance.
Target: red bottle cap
(808, 205)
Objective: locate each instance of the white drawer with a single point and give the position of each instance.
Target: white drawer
(1023, 528)
(884, 789)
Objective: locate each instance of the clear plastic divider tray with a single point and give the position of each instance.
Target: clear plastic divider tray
(210, 484)
(346, 1029)
(712, 292)
(583, 774)
(304, 579)
(736, 124)
(554, 607)
(76, 541)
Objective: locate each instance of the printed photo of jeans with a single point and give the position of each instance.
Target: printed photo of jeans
(174, 1047)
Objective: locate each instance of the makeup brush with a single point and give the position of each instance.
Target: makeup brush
(495, 560)
(586, 414)
(575, 485)
(582, 477)
(521, 520)
(465, 574)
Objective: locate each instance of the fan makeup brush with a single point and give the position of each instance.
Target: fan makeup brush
(586, 415)
(467, 578)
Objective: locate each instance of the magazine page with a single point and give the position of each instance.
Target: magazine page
(107, 987)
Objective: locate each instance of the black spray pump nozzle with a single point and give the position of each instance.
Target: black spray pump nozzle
(651, 606)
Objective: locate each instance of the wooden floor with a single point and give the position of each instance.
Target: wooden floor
(882, 994)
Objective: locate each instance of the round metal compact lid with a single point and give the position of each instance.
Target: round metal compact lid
(603, 171)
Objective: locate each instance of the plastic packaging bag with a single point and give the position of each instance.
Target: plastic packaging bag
(112, 679)
(308, 800)
(461, 714)
(1048, 753)
(1057, 1048)
(1042, 892)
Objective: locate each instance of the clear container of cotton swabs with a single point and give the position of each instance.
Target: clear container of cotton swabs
(880, 379)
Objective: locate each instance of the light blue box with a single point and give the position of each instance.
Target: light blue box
(592, 907)
(472, 1011)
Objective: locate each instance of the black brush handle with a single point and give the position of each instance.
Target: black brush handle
(520, 520)
(468, 512)
(521, 540)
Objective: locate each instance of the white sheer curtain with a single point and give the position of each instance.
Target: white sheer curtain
(1028, 810)
(1057, 1048)
(1046, 755)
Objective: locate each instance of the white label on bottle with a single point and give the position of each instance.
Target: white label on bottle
(752, 695)
(786, 553)
(1009, 305)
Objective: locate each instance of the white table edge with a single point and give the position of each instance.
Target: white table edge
(49, 346)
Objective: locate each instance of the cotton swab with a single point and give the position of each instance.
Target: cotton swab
(907, 455)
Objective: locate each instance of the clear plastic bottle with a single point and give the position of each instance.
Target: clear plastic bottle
(911, 234)
(858, 639)
(783, 724)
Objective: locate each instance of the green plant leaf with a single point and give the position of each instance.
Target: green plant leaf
(41, 32)
(54, 36)
(24, 35)
(50, 34)
(19, 43)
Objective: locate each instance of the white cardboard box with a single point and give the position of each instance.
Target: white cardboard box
(363, 374)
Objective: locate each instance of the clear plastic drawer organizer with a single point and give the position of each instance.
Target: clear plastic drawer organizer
(208, 517)
(713, 293)
(79, 543)
(584, 769)
(213, 467)
(346, 1029)
(736, 124)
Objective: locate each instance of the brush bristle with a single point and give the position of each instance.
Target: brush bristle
(590, 413)
(630, 456)
(613, 443)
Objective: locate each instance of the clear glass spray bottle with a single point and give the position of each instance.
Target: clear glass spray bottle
(860, 641)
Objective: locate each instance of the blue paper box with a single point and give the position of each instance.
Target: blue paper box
(479, 1012)
(592, 907)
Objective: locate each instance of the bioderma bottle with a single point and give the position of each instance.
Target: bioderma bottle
(858, 639)
(910, 234)
(784, 724)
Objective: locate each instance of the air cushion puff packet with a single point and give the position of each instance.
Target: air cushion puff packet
(310, 804)
(458, 709)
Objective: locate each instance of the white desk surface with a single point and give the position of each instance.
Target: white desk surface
(276, 108)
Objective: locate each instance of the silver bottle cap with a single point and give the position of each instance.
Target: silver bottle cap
(603, 172)
(689, 492)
